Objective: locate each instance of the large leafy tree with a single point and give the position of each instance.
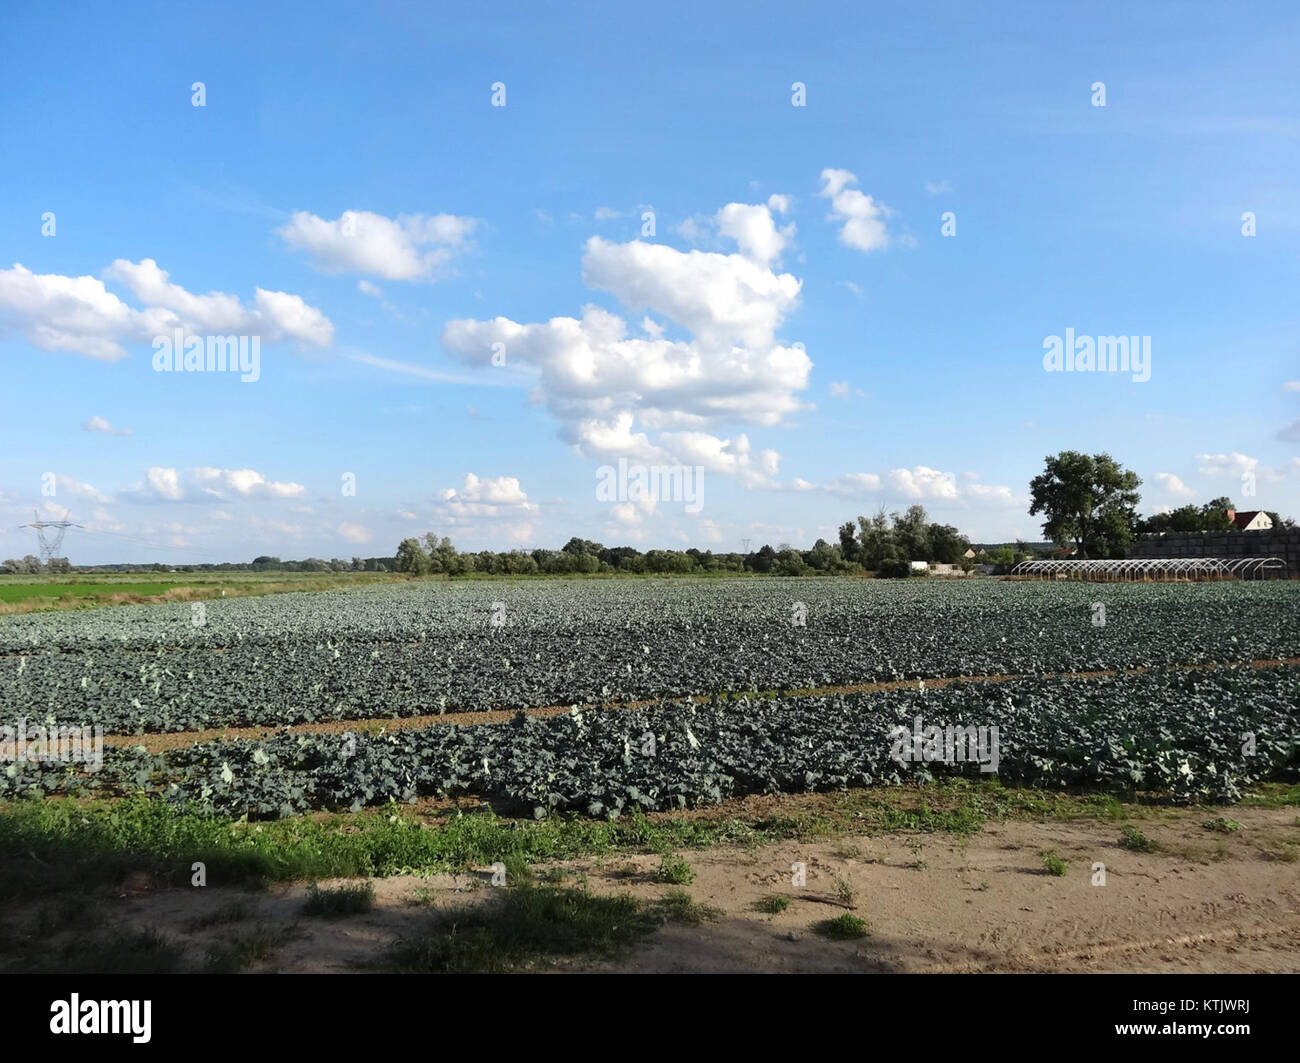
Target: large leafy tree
(1213, 516)
(1089, 501)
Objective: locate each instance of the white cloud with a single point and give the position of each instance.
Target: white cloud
(273, 316)
(98, 424)
(80, 314)
(359, 241)
(918, 482)
(1173, 485)
(754, 230)
(492, 497)
(710, 531)
(840, 389)
(855, 483)
(923, 482)
(58, 313)
(607, 213)
(938, 188)
(165, 483)
(1233, 464)
(174, 486)
(997, 493)
(862, 216)
(77, 489)
(1291, 432)
(366, 288)
(1291, 385)
(354, 533)
(610, 391)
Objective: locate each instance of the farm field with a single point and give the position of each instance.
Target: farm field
(26, 593)
(668, 699)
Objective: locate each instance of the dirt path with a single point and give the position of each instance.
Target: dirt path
(1205, 902)
(157, 743)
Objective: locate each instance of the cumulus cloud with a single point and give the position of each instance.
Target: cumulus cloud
(491, 497)
(650, 398)
(80, 314)
(407, 248)
(174, 485)
(1237, 465)
(354, 533)
(754, 230)
(1233, 464)
(58, 313)
(67, 485)
(273, 316)
(862, 217)
(918, 482)
(922, 482)
(99, 424)
(1173, 485)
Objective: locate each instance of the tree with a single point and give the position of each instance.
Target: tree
(912, 533)
(947, 545)
(876, 538)
(1213, 516)
(1089, 500)
(850, 548)
(411, 558)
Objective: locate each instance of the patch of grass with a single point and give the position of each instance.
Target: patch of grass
(58, 843)
(774, 904)
(674, 870)
(1132, 838)
(233, 912)
(68, 911)
(843, 928)
(676, 906)
(845, 892)
(117, 950)
(234, 954)
(1222, 825)
(528, 927)
(1054, 865)
(340, 901)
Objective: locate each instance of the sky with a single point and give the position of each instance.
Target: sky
(812, 255)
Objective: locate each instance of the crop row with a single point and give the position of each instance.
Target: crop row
(424, 648)
(1188, 735)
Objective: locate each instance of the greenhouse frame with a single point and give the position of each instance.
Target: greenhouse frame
(1152, 569)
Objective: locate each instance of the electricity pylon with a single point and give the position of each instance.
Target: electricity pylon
(50, 547)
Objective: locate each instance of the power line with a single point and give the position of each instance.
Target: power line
(49, 547)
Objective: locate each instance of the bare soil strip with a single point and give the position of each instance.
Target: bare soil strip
(1203, 902)
(157, 743)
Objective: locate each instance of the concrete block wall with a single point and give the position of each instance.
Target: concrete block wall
(1274, 543)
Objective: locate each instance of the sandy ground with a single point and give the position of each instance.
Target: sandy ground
(1206, 902)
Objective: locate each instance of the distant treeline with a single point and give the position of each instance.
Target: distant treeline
(884, 544)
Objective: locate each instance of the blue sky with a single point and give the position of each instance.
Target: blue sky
(349, 157)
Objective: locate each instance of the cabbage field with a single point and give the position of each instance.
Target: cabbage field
(761, 656)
